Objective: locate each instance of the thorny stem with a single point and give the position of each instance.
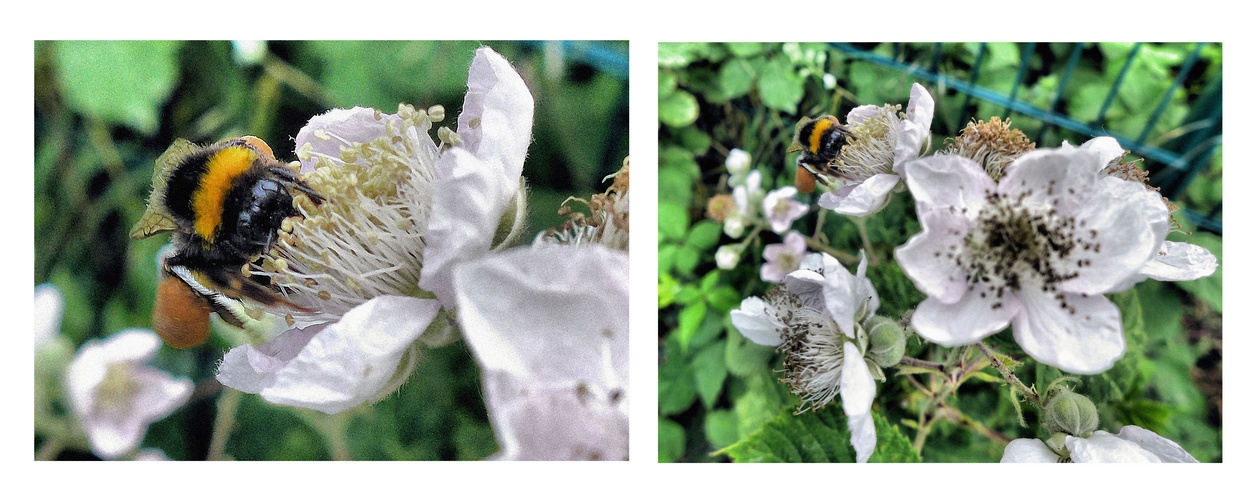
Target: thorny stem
(1029, 392)
(955, 415)
(939, 367)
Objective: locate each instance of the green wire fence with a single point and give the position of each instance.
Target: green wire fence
(1173, 160)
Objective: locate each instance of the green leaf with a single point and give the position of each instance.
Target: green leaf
(688, 321)
(708, 367)
(678, 54)
(820, 436)
(676, 186)
(686, 260)
(724, 298)
(666, 83)
(745, 49)
(743, 357)
(668, 288)
(672, 441)
(704, 235)
(736, 78)
(721, 428)
(123, 82)
(676, 389)
(696, 141)
(673, 220)
(781, 86)
(678, 109)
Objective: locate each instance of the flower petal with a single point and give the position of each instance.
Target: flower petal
(497, 118)
(856, 387)
(555, 369)
(1103, 447)
(1028, 451)
(928, 257)
(1061, 179)
(1177, 261)
(49, 306)
(335, 367)
(915, 130)
(970, 319)
(481, 178)
(1166, 450)
(754, 321)
(577, 305)
(949, 181)
(861, 200)
(357, 124)
(1127, 224)
(1078, 334)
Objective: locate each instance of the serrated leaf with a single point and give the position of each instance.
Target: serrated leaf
(676, 388)
(673, 221)
(820, 436)
(781, 87)
(688, 321)
(914, 370)
(984, 376)
(704, 235)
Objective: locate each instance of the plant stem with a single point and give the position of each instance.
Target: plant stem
(224, 421)
(1029, 392)
(869, 249)
(939, 367)
(50, 449)
(845, 258)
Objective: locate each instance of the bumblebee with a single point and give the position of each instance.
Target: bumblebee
(821, 140)
(223, 204)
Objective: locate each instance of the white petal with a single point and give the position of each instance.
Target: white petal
(466, 210)
(1103, 447)
(338, 366)
(482, 177)
(949, 181)
(1177, 261)
(856, 387)
(549, 327)
(754, 321)
(862, 113)
(927, 257)
(547, 312)
(1028, 451)
(861, 200)
(915, 130)
(1130, 225)
(580, 422)
(497, 118)
(357, 124)
(973, 317)
(1085, 336)
(1062, 179)
(1166, 450)
(1102, 150)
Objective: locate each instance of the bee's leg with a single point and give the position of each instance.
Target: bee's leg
(231, 310)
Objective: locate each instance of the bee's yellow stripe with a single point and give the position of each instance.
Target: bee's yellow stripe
(220, 173)
(818, 130)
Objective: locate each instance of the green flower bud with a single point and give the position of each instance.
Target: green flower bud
(1070, 413)
(887, 340)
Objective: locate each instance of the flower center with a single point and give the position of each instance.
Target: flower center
(871, 151)
(114, 394)
(1015, 246)
(813, 346)
(367, 238)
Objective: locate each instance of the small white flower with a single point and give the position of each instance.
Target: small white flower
(401, 213)
(1132, 444)
(813, 319)
(115, 397)
(781, 208)
(1038, 251)
(549, 327)
(872, 164)
(727, 256)
(747, 196)
(737, 164)
(49, 306)
(783, 258)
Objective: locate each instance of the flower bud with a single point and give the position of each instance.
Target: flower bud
(887, 341)
(1070, 413)
(727, 256)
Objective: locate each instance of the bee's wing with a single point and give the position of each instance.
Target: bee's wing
(156, 219)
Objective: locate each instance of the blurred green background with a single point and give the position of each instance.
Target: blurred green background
(717, 389)
(104, 111)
